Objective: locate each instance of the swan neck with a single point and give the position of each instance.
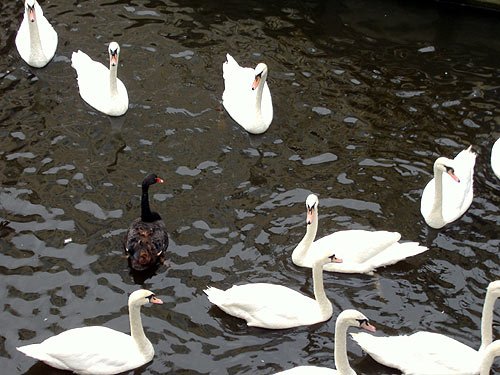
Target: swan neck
(340, 354)
(113, 87)
(487, 321)
(137, 331)
(36, 50)
(146, 214)
(324, 303)
(258, 97)
(437, 205)
(299, 254)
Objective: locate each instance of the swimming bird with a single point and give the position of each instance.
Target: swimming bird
(147, 237)
(246, 95)
(98, 350)
(98, 85)
(432, 353)
(495, 158)
(361, 251)
(36, 39)
(449, 194)
(275, 306)
(346, 319)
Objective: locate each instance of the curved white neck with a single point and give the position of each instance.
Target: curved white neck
(487, 321)
(340, 354)
(436, 215)
(299, 254)
(113, 89)
(324, 303)
(137, 331)
(36, 51)
(258, 99)
(489, 355)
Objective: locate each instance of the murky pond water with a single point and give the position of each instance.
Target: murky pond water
(366, 95)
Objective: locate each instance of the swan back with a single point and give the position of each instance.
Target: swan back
(36, 39)
(246, 95)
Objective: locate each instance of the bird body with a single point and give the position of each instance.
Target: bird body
(449, 194)
(361, 251)
(246, 96)
(147, 238)
(274, 306)
(98, 85)
(429, 353)
(36, 39)
(99, 350)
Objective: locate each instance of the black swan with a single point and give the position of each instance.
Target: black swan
(147, 237)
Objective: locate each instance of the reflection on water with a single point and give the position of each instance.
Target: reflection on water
(366, 96)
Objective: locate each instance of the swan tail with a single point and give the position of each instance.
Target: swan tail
(229, 66)
(380, 348)
(216, 296)
(38, 351)
(79, 60)
(397, 252)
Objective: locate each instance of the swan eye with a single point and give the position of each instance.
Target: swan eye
(150, 296)
(449, 169)
(258, 75)
(363, 321)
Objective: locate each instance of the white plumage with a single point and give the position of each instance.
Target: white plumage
(432, 353)
(495, 158)
(346, 319)
(98, 85)
(99, 350)
(36, 39)
(246, 96)
(449, 194)
(275, 306)
(361, 251)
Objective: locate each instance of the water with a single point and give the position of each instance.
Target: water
(366, 96)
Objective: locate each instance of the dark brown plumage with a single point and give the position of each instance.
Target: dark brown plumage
(147, 237)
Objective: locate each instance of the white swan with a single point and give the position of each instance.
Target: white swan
(36, 39)
(489, 354)
(495, 158)
(99, 85)
(275, 306)
(361, 251)
(432, 353)
(99, 350)
(346, 319)
(246, 96)
(448, 195)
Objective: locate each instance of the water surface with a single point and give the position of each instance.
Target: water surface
(366, 96)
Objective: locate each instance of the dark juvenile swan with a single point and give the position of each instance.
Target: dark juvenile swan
(147, 237)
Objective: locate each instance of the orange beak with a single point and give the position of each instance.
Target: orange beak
(453, 175)
(31, 14)
(156, 301)
(256, 82)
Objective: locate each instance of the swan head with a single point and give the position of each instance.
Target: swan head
(494, 289)
(260, 75)
(325, 259)
(356, 319)
(445, 165)
(151, 179)
(312, 202)
(142, 296)
(114, 53)
(30, 10)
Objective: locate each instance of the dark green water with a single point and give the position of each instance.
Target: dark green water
(366, 95)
